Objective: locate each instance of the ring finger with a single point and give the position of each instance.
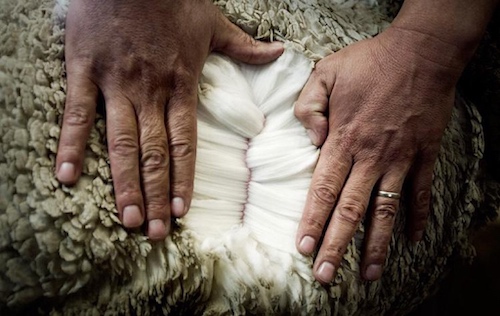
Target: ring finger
(383, 210)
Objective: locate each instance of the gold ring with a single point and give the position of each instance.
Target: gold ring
(390, 195)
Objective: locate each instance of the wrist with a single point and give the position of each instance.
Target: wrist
(449, 57)
(431, 61)
(445, 31)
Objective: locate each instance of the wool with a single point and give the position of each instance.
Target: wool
(64, 250)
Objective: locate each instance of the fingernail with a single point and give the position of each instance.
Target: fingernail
(132, 216)
(66, 172)
(178, 207)
(307, 245)
(325, 272)
(312, 136)
(418, 235)
(373, 272)
(157, 229)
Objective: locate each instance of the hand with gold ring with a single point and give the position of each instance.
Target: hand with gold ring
(390, 195)
(379, 109)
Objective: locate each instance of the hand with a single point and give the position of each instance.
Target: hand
(145, 59)
(379, 107)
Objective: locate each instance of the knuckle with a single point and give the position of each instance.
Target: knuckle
(185, 80)
(124, 145)
(323, 68)
(182, 188)
(134, 65)
(334, 251)
(181, 148)
(351, 212)
(156, 191)
(377, 252)
(385, 212)
(349, 141)
(252, 43)
(157, 210)
(128, 188)
(154, 157)
(69, 149)
(77, 115)
(81, 65)
(320, 71)
(421, 209)
(300, 110)
(250, 40)
(129, 194)
(314, 224)
(422, 200)
(325, 193)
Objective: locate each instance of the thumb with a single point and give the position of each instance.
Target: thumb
(234, 42)
(311, 108)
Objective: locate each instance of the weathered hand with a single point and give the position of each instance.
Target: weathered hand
(145, 59)
(379, 108)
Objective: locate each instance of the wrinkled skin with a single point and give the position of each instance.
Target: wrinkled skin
(379, 109)
(145, 60)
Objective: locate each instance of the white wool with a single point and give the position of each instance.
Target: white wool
(228, 101)
(248, 199)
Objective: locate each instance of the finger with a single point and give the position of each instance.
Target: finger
(383, 212)
(123, 145)
(346, 217)
(421, 194)
(327, 181)
(181, 129)
(155, 166)
(311, 107)
(79, 115)
(235, 43)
